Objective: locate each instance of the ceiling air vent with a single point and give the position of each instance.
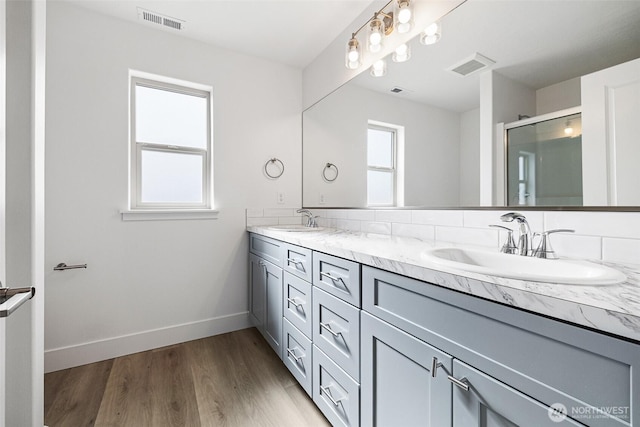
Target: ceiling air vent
(471, 65)
(156, 18)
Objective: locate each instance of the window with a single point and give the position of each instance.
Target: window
(170, 146)
(381, 166)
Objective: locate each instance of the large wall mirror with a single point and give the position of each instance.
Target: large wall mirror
(417, 136)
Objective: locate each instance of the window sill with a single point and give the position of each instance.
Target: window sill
(168, 214)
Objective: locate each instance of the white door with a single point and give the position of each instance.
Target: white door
(610, 128)
(22, 29)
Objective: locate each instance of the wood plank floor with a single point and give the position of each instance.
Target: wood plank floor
(233, 379)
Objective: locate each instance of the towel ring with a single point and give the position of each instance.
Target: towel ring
(274, 160)
(328, 166)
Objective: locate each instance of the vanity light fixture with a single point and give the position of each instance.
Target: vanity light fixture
(378, 27)
(353, 57)
(404, 16)
(379, 68)
(402, 53)
(431, 34)
(375, 35)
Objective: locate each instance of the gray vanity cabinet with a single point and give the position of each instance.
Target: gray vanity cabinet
(265, 293)
(491, 403)
(266, 300)
(398, 387)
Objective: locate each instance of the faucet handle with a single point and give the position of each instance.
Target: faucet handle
(509, 246)
(544, 249)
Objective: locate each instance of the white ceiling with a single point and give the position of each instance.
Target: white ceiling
(292, 32)
(535, 42)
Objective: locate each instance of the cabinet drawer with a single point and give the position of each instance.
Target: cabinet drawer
(297, 303)
(335, 393)
(337, 276)
(550, 361)
(266, 248)
(297, 260)
(296, 355)
(336, 331)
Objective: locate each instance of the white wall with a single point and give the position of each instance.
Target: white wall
(469, 154)
(559, 96)
(17, 210)
(151, 283)
(336, 132)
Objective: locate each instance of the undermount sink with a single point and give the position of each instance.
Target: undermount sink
(295, 227)
(561, 271)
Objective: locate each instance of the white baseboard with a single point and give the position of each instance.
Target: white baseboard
(95, 351)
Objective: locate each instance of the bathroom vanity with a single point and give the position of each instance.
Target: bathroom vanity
(377, 334)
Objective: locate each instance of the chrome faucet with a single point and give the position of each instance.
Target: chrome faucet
(525, 239)
(311, 220)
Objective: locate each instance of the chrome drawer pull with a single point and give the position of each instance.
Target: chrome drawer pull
(294, 302)
(434, 366)
(332, 278)
(331, 331)
(295, 261)
(327, 393)
(462, 382)
(292, 353)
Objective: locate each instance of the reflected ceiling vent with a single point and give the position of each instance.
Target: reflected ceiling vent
(471, 65)
(398, 89)
(157, 18)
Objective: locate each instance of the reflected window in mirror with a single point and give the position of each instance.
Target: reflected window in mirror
(382, 167)
(544, 162)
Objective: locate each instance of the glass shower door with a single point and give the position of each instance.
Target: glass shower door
(544, 162)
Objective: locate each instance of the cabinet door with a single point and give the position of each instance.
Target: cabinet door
(257, 291)
(491, 403)
(273, 307)
(397, 385)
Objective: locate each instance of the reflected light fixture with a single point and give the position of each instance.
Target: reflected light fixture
(431, 34)
(568, 129)
(379, 68)
(402, 53)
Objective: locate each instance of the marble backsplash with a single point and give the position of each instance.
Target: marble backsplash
(607, 236)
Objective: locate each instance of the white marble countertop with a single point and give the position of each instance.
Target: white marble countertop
(614, 309)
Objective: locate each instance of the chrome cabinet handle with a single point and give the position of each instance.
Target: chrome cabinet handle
(62, 266)
(462, 382)
(434, 366)
(327, 393)
(294, 302)
(331, 331)
(332, 278)
(295, 261)
(292, 353)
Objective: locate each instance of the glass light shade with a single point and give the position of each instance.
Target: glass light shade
(379, 68)
(375, 35)
(353, 55)
(431, 34)
(403, 16)
(402, 53)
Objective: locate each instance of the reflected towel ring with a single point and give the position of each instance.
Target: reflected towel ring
(324, 172)
(277, 175)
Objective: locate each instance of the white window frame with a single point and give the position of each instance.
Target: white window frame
(137, 147)
(394, 166)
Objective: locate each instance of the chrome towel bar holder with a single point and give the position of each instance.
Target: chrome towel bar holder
(62, 266)
(330, 166)
(274, 161)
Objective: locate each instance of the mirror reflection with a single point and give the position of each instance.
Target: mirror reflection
(444, 142)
